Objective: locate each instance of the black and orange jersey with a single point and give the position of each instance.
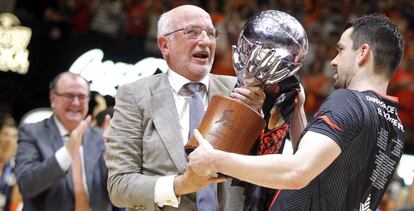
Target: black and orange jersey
(366, 127)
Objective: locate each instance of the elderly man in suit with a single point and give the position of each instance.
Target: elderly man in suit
(146, 161)
(60, 163)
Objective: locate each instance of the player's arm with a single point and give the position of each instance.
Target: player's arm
(316, 152)
(299, 121)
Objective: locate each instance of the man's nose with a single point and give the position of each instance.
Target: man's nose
(333, 61)
(76, 100)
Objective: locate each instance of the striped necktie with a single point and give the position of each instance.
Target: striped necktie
(206, 199)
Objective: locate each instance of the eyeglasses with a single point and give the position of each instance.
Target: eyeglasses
(194, 32)
(70, 97)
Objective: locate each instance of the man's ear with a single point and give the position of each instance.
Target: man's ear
(363, 54)
(163, 45)
(52, 99)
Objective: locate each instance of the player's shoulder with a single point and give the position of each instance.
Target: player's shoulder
(344, 96)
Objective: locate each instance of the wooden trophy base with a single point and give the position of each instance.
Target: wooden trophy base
(229, 125)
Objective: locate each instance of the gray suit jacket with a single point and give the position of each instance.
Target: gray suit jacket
(42, 182)
(145, 142)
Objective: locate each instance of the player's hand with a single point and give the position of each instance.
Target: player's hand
(253, 96)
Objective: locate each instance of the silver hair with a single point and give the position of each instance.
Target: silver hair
(164, 24)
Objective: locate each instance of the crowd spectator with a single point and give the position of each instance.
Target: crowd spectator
(60, 163)
(10, 198)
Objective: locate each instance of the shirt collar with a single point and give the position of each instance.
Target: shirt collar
(177, 81)
(62, 130)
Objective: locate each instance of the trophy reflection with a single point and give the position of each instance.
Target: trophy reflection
(271, 47)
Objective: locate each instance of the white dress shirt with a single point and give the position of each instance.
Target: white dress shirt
(63, 157)
(164, 187)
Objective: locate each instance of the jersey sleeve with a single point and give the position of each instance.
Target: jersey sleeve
(340, 117)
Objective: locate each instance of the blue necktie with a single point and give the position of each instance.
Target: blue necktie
(206, 199)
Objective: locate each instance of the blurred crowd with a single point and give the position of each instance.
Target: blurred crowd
(126, 31)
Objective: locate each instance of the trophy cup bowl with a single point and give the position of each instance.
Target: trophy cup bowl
(271, 47)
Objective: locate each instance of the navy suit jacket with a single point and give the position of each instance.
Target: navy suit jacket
(43, 184)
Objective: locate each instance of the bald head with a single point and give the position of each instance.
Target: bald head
(185, 42)
(169, 20)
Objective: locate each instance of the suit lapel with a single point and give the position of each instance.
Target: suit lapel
(69, 182)
(55, 141)
(164, 112)
(52, 137)
(216, 88)
(92, 152)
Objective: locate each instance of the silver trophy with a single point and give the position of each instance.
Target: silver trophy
(271, 47)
